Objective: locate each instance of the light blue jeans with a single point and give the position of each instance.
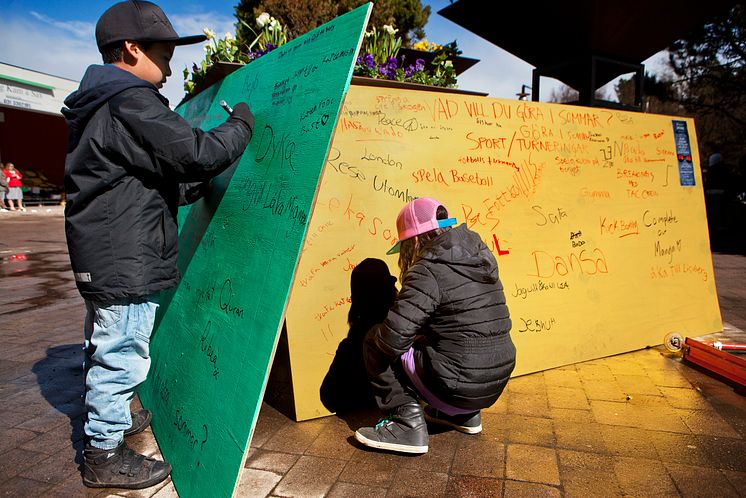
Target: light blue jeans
(117, 359)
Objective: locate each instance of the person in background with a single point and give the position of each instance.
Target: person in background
(718, 184)
(15, 193)
(3, 188)
(446, 339)
(129, 155)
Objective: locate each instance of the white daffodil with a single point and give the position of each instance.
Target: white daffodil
(389, 29)
(273, 24)
(210, 34)
(228, 36)
(262, 19)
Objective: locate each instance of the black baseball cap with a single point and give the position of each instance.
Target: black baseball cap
(141, 21)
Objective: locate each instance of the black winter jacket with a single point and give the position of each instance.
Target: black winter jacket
(127, 155)
(452, 303)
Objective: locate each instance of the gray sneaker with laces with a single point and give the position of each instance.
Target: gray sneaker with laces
(404, 430)
(470, 423)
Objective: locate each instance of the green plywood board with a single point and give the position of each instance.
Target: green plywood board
(239, 249)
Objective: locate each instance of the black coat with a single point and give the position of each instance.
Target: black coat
(128, 153)
(452, 302)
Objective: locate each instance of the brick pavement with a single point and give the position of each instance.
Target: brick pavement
(637, 424)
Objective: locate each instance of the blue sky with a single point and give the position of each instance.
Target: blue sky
(57, 37)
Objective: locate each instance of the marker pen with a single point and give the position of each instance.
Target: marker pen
(227, 107)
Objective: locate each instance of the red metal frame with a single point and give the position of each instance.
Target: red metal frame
(719, 362)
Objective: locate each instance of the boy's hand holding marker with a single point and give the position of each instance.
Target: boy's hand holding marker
(241, 112)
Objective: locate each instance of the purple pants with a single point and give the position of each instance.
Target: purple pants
(407, 360)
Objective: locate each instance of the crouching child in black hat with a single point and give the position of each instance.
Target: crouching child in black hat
(128, 156)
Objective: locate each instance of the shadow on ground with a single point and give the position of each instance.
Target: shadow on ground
(61, 382)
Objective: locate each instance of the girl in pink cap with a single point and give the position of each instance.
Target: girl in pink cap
(446, 339)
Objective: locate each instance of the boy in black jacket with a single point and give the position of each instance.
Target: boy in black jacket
(128, 155)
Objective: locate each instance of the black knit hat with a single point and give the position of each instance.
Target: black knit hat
(141, 21)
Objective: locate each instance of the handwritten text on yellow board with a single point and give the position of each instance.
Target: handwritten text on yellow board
(601, 244)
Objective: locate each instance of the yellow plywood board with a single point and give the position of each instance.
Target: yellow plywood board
(597, 224)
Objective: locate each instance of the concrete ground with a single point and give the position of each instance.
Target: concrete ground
(637, 424)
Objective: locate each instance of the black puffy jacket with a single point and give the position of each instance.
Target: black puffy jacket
(128, 153)
(452, 301)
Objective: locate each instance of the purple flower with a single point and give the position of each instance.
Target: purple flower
(369, 60)
(388, 69)
(418, 66)
(258, 53)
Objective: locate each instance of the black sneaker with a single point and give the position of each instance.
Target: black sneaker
(470, 423)
(121, 468)
(404, 430)
(140, 422)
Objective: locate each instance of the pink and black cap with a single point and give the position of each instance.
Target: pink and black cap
(417, 217)
(140, 21)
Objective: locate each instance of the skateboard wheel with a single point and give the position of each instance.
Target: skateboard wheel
(673, 342)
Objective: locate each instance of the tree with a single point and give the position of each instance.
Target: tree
(301, 16)
(563, 95)
(660, 95)
(710, 65)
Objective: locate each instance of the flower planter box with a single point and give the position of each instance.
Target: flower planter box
(365, 81)
(220, 70)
